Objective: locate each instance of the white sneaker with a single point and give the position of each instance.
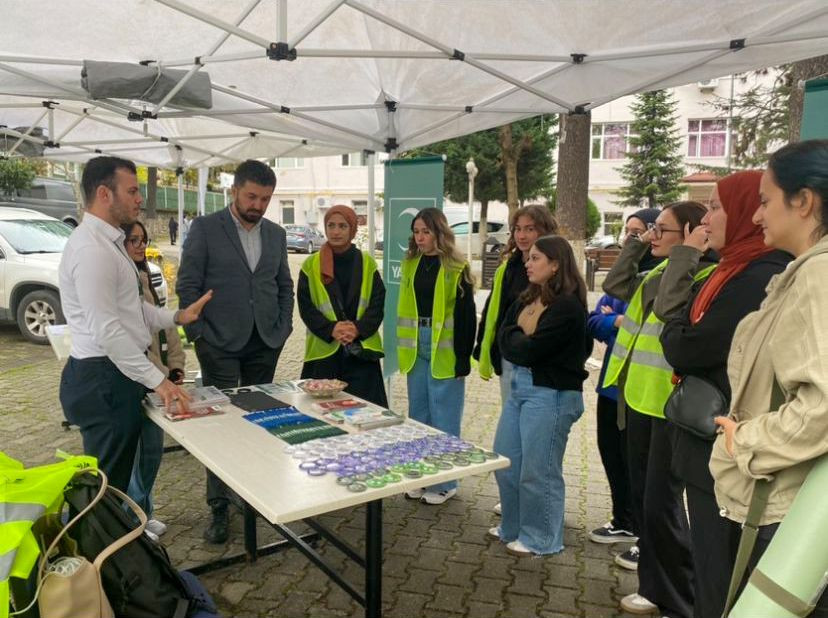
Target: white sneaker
(497, 509)
(415, 494)
(438, 497)
(518, 549)
(494, 533)
(636, 604)
(156, 527)
(151, 535)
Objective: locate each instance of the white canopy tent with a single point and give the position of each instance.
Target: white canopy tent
(318, 77)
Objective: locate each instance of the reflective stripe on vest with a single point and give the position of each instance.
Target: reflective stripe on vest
(485, 364)
(443, 360)
(25, 496)
(315, 347)
(649, 377)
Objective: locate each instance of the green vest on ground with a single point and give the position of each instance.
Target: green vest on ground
(315, 347)
(443, 360)
(649, 377)
(25, 496)
(489, 334)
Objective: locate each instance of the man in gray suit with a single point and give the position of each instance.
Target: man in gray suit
(242, 257)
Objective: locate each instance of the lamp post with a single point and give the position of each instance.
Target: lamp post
(471, 170)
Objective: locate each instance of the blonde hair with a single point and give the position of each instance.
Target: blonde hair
(437, 224)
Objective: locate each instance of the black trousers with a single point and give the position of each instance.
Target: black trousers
(255, 363)
(612, 445)
(665, 567)
(106, 406)
(714, 541)
(173, 235)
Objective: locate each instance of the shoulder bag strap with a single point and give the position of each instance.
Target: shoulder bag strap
(750, 529)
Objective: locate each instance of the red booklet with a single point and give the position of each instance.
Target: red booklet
(338, 404)
(183, 416)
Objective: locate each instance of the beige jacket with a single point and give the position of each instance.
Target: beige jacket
(175, 353)
(786, 340)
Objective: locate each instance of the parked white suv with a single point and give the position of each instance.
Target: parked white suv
(30, 248)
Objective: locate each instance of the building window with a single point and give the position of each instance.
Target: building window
(613, 223)
(287, 211)
(610, 140)
(360, 206)
(707, 138)
(289, 163)
(354, 159)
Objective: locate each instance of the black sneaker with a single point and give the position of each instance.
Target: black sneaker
(608, 533)
(629, 559)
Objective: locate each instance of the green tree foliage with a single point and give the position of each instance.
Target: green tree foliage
(535, 137)
(15, 174)
(653, 169)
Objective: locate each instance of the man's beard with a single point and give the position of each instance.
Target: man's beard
(251, 216)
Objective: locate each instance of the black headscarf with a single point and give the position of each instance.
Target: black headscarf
(648, 216)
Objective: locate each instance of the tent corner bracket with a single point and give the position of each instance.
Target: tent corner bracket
(281, 51)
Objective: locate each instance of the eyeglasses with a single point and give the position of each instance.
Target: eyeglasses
(137, 241)
(658, 230)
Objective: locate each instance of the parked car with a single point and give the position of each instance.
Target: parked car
(497, 233)
(604, 242)
(31, 244)
(304, 238)
(55, 198)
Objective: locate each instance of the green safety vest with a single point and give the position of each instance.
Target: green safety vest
(443, 360)
(485, 364)
(317, 348)
(649, 377)
(25, 496)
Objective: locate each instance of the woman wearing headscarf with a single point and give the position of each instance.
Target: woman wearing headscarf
(341, 296)
(696, 341)
(603, 325)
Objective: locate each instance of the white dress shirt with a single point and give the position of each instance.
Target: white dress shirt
(251, 241)
(101, 300)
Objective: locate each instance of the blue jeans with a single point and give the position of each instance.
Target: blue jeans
(532, 433)
(437, 403)
(147, 463)
(505, 381)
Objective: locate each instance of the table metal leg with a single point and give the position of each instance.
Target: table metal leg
(373, 559)
(250, 541)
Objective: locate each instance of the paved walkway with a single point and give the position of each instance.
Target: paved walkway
(438, 560)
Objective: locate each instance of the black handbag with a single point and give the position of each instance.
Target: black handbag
(693, 405)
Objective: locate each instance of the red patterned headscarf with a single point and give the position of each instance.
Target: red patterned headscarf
(744, 242)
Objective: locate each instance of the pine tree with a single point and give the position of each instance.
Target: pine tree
(654, 168)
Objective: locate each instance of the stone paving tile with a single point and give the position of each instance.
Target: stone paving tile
(438, 560)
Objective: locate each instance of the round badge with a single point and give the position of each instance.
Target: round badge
(357, 487)
(317, 471)
(413, 473)
(444, 464)
(392, 478)
(429, 469)
(490, 454)
(344, 480)
(477, 458)
(462, 461)
(375, 483)
(361, 477)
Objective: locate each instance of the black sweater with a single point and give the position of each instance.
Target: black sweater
(347, 275)
(514, 283)
(702, 349)
(465, 314)
(557, 350)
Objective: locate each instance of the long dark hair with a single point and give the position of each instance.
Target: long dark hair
(687, 212)
(142, 265)
(540, 215)
(803, 165)
(567, 280)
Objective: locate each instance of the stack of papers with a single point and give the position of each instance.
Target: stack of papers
(201, 397)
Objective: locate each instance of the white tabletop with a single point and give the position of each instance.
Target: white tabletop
(253, 462)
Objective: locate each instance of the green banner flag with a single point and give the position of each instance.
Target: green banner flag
(410, 186)
(815, 110)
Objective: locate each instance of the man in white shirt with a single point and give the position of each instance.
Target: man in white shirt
(108, 372)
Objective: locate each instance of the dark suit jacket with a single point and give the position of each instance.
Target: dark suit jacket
(213, 259)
